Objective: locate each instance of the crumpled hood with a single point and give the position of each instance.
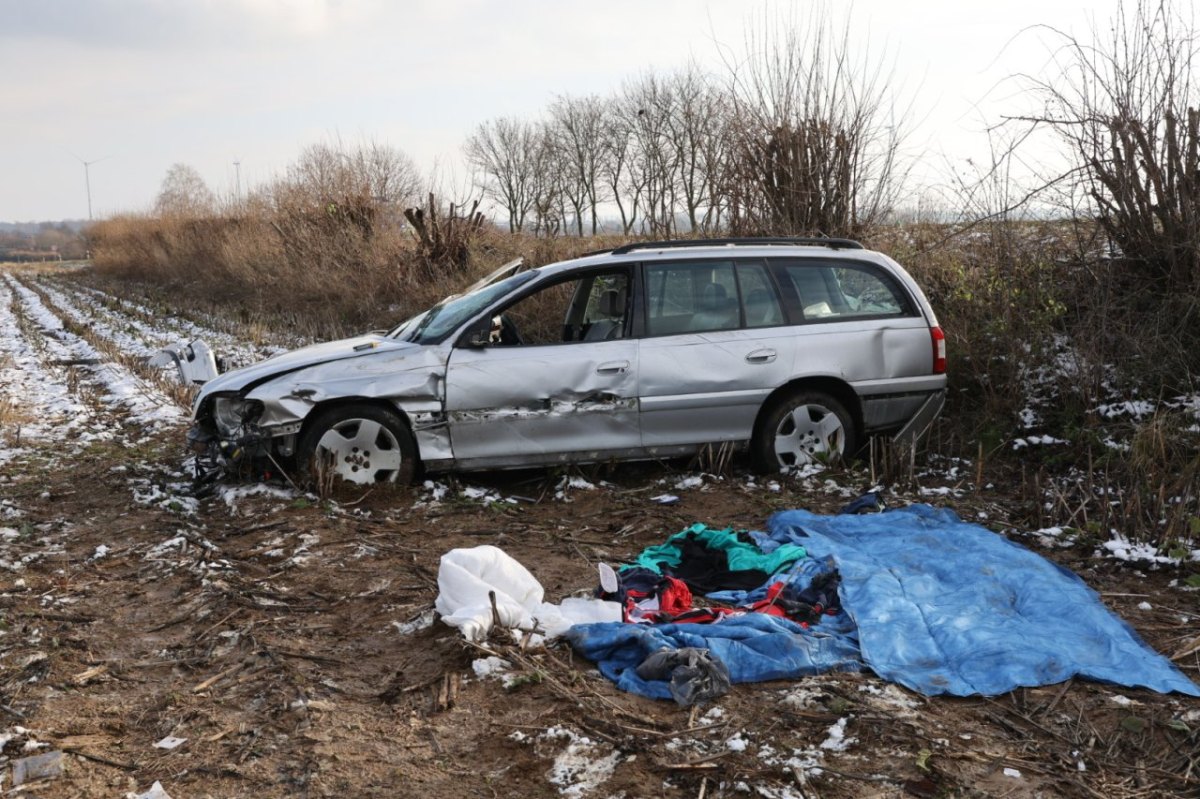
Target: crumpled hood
(372, 345)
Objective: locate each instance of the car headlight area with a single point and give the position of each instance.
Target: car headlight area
(232, 415)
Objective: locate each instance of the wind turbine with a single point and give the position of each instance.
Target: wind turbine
(87, 177)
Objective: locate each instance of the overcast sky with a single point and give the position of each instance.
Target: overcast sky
(138, 85)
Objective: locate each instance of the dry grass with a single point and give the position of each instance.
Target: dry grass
(1008, 295)
(11, 418)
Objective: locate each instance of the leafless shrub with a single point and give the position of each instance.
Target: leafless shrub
(444, 241)
(818, 132)
(1125, 105)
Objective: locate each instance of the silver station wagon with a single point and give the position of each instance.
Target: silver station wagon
(797, 349)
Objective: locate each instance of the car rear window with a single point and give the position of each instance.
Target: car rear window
(836, 291)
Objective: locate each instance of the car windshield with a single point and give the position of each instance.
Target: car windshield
(429, 327)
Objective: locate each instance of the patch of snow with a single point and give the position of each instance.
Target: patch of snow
(492, 667)
(1123, 701)
(232, 494)
(485, 495)
(178, 542)
(415, 624)
(1133, 408)
(581, 767)
(836, 739)
(737, 743)
(890, 696)
(940, 491)
(1121, 548)
(1030, 441)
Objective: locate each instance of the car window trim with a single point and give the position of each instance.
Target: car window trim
(773, 281)
(778, 266)
(528, 291)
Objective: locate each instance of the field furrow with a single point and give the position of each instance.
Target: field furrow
(161, 329)
(39, 402)
(117, 386)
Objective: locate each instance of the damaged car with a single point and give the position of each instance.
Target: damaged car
(796, 350)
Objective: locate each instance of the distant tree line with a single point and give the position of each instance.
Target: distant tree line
(801, 138)
(42, 241)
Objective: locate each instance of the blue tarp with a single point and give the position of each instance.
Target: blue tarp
(754, 647)
(946, 607)
(931, 602)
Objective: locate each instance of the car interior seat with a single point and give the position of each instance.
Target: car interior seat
(716, 310)
(762, 310)
(611, 306)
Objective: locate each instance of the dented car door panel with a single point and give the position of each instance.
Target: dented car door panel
(707, 387)
(538, 404)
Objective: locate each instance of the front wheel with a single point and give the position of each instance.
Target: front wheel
(361, 444)
(801, 428)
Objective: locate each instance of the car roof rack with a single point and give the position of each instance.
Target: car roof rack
(833, 244)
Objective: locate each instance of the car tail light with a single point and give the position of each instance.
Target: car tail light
(939, 350)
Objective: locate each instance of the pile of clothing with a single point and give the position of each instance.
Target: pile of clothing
(914, 594)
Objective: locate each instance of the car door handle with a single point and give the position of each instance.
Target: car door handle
(761, 356)
(612, 368)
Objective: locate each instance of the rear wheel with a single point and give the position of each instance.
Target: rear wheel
(801, 428)
(361, 444)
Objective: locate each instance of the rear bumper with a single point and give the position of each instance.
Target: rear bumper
(917, 426)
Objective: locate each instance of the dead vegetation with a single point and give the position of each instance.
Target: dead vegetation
(289, 646)
(284, 644)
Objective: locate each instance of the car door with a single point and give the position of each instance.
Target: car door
(559, 383)
(716, 344)
(862, 327)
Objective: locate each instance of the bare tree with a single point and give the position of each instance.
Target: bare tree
(388, 174)
(506, 153)
(1126, 106)
(649, 102)
(818, 135)
(184, 193)
(576, 129)
(549, 192)
(694, 132)
(623, 178)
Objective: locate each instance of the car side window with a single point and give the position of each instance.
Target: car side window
(760, 303)
(588, 308)
(833, 292)
(691, 298)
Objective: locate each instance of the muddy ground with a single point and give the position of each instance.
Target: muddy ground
(290, 642)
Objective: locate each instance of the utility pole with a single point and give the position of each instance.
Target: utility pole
(237, 171)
